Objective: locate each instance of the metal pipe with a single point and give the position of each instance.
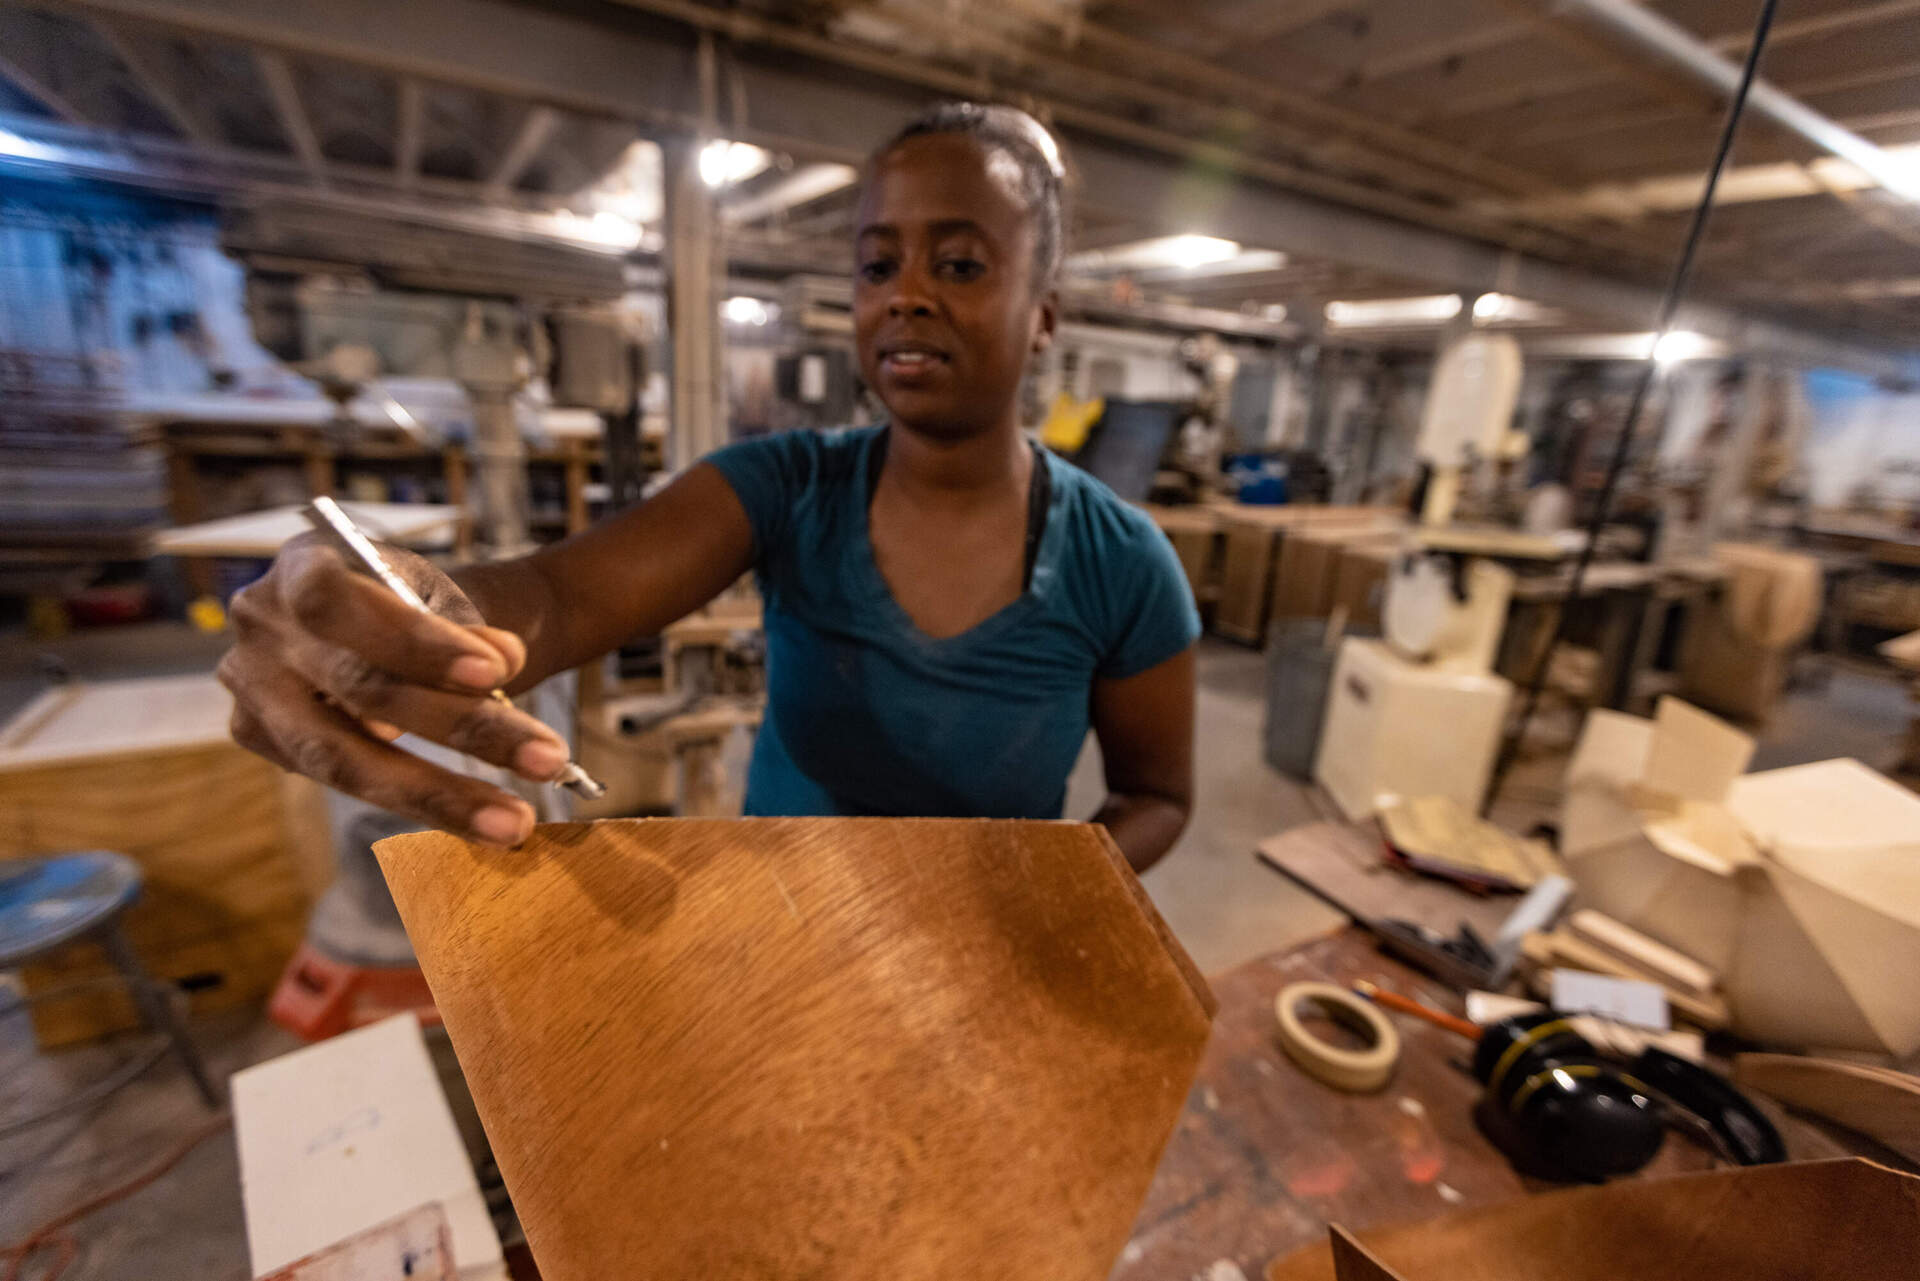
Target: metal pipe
(1680, 48)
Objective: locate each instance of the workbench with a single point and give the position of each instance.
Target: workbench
(1633, 601)
(1265, 1157)
(261, 535)
(208, 431)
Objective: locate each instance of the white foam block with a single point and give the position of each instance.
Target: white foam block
(346, 1134)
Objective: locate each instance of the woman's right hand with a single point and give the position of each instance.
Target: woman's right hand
(328, 667)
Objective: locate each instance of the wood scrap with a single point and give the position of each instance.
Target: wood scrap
(1675, 970)
(1880, 1103)
(1544, 952)
(1440, 836)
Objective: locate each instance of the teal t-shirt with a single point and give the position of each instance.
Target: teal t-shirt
(867, 714)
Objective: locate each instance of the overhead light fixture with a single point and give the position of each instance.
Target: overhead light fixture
(1394, 313)
(743, 310)
(1900, 171)
(1681, 344)
(1274, 311)
(603, 227)
(723, 163)
(1488, 308)
(1179, 253)
(13, 145)
(1188, 252)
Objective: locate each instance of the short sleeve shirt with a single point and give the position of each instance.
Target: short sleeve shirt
(868, 715)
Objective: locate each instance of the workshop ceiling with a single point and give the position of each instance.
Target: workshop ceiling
(1502, 122)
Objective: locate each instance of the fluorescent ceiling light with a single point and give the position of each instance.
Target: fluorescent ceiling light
(1180, 253)
(743, 310)
(1390, 313)
(12, 144)
(1240, 264)
(1900, 171)
(1488, 308)
(603, 227)
(1681, 344)
(724, 163)
(1189, 252)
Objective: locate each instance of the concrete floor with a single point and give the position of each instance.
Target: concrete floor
(1223, 905)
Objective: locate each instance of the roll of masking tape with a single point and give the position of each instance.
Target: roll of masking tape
(1357, 1071)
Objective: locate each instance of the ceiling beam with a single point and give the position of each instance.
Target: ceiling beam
(1016, 49)
(1258, 93)
(1788, 31)
(409, 125)
(38, 88)
(545, 56)
(169, 165)
(804, 185)
(536, 130)
(291, 112)
(1284, 19)
(1432, 54)
(1279, 19)
(154, 81)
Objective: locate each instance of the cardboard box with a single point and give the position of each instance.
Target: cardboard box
(1359, 580)
(1800, 887)
(1846, 1220)
(1306, 575)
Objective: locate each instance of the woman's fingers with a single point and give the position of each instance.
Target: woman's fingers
(487, 729)
(512, 649)
(277, 716)
(353, 612)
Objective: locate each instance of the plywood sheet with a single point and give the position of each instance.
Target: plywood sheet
(823, 1048)
(1814, 1221)
(1878, 1102)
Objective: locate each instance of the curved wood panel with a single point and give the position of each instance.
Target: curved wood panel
(819, 1048)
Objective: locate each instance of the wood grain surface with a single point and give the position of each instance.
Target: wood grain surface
(1878, 1102)
(1838, 1220)
(1265, 1158)
(810, 1048)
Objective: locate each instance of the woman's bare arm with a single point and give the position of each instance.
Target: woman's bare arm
(625, 577)
(1145, 727)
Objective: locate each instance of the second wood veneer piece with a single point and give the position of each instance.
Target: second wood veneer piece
(819, 1048)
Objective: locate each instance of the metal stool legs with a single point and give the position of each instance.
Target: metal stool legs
(156, 1010)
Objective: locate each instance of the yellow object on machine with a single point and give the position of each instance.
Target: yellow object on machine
(1070, 421)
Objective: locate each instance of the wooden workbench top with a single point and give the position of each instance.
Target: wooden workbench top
(1265, 1157)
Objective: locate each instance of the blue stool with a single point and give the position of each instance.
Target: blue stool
(47, 904)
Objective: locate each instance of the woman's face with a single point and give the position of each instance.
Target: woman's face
(945, 309)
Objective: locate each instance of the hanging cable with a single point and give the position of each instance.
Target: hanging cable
(1642, 388)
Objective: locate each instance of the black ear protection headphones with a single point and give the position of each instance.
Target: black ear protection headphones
(1560, 1108)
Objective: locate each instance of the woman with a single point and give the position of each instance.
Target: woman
(947, 607)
